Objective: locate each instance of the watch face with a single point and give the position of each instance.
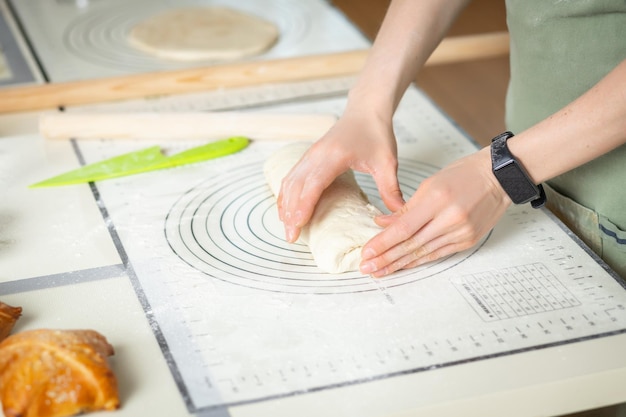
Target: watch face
(516, 184)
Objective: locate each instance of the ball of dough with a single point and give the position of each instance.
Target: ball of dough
(203, 33)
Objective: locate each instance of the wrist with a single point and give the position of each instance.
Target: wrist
(512, 176)
(370, 102)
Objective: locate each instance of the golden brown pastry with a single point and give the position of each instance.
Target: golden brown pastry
(8, 317)
(55, 373)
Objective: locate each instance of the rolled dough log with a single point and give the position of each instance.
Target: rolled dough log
(343, 220)
(203, 33)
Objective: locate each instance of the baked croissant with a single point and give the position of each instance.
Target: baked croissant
(55, 373)
(8, 317)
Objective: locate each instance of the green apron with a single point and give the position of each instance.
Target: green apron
(559, 50)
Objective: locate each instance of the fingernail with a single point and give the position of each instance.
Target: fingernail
(380, 274)
(367, 267)
(290, 234)
(368, 253)
(297, 218)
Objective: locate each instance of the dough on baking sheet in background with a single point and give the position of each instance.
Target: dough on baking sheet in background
(343, 220)
(204, 33)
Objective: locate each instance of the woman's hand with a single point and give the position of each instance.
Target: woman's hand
(450, 212)
(363, 142)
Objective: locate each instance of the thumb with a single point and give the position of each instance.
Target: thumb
(389, 190)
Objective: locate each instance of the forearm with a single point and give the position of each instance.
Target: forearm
(410, 32)
(589, 127)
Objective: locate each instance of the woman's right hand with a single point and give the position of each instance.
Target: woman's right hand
(360, 141)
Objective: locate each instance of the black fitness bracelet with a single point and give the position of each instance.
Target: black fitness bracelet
(512, 176)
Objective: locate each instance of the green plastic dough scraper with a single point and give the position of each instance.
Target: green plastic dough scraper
(144, 160)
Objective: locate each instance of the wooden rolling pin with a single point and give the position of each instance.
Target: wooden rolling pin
(47, 96)
(201, 125)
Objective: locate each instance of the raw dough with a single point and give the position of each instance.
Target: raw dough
(343, 220)
(203, 33)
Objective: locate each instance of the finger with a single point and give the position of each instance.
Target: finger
(399, 230)
(428, 252)
(442, 252)
(296, 205)
(300, 191)
(386, 261)
(450, 242)
(290, 188)
(427, 240)
(385, 220)
(386, 180)
(400, 258)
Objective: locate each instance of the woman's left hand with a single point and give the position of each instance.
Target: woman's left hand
(450, 212)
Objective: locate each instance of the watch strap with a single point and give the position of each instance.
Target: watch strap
(512, 176)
